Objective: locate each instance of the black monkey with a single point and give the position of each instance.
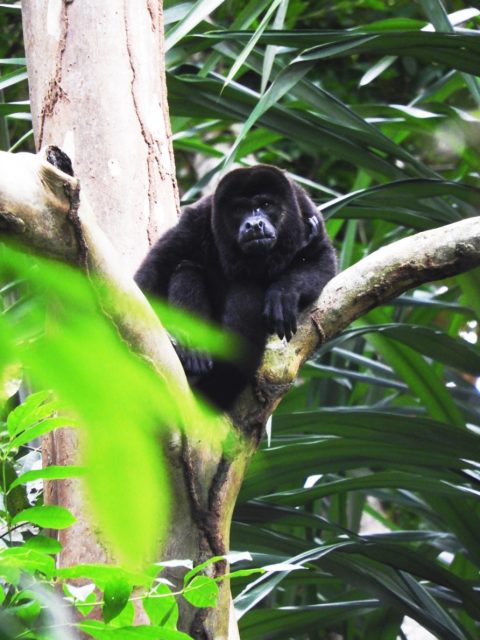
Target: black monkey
(249, 257)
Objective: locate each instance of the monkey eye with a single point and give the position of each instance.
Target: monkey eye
(266, 204)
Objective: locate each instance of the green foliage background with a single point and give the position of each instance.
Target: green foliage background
(374, 108)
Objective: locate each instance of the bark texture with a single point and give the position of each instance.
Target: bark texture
(97, 90)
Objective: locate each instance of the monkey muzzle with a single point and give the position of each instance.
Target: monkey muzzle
(256, 234)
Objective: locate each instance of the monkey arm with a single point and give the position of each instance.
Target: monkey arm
(170, 259)
(188, 289)
(297, 287)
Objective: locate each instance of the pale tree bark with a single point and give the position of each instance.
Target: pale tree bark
(98, 91)
(97, 88)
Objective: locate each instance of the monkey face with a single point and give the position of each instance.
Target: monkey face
(250, 205)
(257, 224)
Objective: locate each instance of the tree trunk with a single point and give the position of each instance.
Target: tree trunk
(45, 208)
(97, 90)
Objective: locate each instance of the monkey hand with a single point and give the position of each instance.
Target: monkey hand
(195, 363)
(280, 312)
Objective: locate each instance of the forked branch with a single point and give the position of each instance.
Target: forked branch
(37, 203)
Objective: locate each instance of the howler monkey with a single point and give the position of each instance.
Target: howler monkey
(249, 257)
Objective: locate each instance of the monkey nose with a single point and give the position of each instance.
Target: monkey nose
(254, 224)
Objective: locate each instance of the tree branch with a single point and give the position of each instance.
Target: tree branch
(42, 207)
(36, 201)
(383, 275)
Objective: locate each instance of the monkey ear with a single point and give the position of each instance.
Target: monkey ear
(305, 204)
(313, 228)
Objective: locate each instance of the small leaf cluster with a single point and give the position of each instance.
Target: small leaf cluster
(31, 603)
(24, 425)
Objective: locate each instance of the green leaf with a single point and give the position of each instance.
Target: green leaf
(470, 283)
(377, 69)
(116, 595)
(253, 41)
(385, 479)
(40, 429)
(44, 544)
(200, 567)
(120, 438)
(270, 52)
(397, 429)
(87, 605)
(298, 620)
(47, 517)
(198, 12)
(49, 473)
(10, 7)
(454, 352)
(28, 560)
(161, 607)
(432, 47)
(263, 586)
(16, 498)
(275, 469)
(420, 377)
(406, 195)
(102, 574)
(202, 591)
(204, 98)
(242, 573)
(12, 78)
(127, 617)
(141, 632)
(34, 408)
(13, 61)
(8, 108)
(26, 606)
(442, 22)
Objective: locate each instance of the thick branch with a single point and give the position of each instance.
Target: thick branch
(381, 276)
(42, 207)
(385, 274)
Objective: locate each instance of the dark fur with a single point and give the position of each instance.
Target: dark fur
(200, 266)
